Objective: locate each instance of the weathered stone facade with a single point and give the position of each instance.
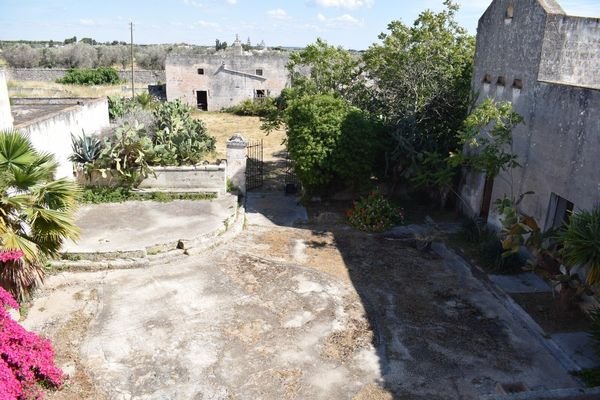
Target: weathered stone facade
(548, 65)
(226, 78)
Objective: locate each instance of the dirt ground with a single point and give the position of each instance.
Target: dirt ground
(223, 125)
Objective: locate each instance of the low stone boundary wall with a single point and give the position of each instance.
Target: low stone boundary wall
(142, 76)
(199, 178)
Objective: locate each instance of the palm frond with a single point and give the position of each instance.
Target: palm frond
(16, 150)
(580, 239)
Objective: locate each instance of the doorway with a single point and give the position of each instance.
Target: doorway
(202, 100)
(487, 197)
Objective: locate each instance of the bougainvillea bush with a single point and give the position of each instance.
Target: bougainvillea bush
(26, 359)
(374, 213)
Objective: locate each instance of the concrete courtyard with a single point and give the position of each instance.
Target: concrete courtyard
(279, 312)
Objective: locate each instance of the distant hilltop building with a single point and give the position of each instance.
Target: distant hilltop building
(547, 64)
(211, 82)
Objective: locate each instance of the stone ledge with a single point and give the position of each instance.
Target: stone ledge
(153, 254)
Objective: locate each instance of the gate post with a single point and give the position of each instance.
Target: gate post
(236, 162)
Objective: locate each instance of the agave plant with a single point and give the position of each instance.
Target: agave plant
(36, 213)
(86, 149)
(580, 240)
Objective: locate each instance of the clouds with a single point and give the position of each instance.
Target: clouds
(87, 22)
(207, 3)
(344, 20)
(206, 24)
(279, 14)
(345, 4)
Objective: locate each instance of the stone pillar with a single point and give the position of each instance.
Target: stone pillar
(6, 119)
(236, 161)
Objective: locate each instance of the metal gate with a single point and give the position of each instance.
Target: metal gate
(254, 165)
(291, 183)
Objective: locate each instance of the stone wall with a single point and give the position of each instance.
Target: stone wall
(227, 78)
(147, 77)
(52, 132)
(559, 149)
(571, 51)
(200, 178)
(558, 145)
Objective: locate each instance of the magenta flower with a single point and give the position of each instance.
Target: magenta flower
(10, 255)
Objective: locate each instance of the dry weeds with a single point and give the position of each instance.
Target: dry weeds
(57, 90)
(222, 126)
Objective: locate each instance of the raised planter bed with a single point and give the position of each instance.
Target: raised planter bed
(198, 178)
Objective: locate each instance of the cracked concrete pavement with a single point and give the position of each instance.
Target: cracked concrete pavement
(289, 313)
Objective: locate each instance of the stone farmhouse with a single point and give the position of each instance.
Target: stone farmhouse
(212, 82)
(547, 64)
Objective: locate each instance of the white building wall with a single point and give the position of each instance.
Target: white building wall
(53, 133)
(6, 119)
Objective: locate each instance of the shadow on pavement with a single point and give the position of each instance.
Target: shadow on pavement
(439, 332)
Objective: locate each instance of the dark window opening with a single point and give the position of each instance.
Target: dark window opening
(501, 81)
(508, 16)
(200, 71)
(518, 84)
(259, 94)
(202, 100)
(487, 78)
(259, 72)
(559, 211)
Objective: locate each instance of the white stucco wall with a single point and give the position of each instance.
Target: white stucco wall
(6, 119)
(52, 133)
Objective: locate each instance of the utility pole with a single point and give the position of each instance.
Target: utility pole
(132, 78)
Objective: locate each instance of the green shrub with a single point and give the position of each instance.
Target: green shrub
(119, 106)
(99, 195)
(590, 376)
(179, 139)
(144, 100)
(475, 231)
(492, 254)
(91, 76)
(329, 140)
(257, 108)
(374, 213)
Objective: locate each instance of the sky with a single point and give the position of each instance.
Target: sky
(353, 24)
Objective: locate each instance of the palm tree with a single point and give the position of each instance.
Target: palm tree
(36, 213)
(580, 240)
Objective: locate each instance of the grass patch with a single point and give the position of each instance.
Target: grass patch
(99, 195)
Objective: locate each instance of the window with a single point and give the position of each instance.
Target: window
(200, 71)
(259, 72)
(501, 81)
(517, 84)
(259, 93)
(559, 211)
(508, 16)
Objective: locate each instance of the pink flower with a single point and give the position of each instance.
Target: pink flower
(26, 359)
(10, 255)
